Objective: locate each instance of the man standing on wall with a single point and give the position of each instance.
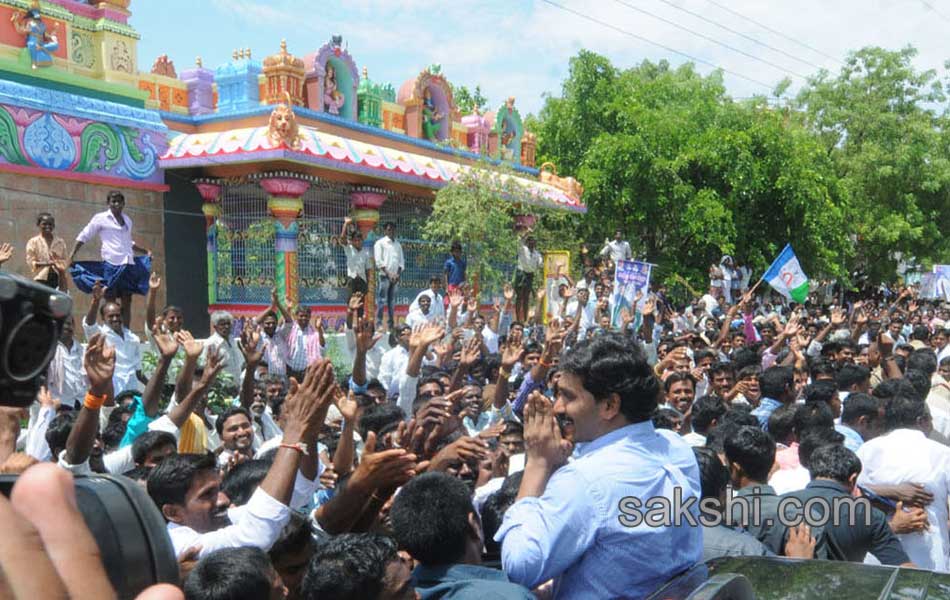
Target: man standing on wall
(358, 261)
(617, 249)
(454, 270)
(390, 262)
(120, 272)
(529, 263)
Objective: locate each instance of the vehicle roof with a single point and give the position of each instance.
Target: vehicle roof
(776, 578)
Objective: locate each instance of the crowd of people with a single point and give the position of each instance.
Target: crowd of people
(489, 453)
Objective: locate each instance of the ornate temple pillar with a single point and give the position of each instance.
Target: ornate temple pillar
(210, 192)
(365, 202)
(285, 203)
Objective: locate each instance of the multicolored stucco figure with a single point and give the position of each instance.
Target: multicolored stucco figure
(332, 97)
(431, 118)
(40, 42)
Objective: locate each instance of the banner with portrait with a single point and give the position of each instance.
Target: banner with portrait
(557, 266)
(631, 278)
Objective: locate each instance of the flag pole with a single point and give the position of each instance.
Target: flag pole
(752, 289)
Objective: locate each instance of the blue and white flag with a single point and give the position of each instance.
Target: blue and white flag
(786, 276)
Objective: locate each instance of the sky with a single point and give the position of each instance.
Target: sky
(522, 48)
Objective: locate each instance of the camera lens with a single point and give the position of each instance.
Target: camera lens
(130, 532)
(29, 347)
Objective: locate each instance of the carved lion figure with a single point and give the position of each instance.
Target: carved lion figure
(283, 126)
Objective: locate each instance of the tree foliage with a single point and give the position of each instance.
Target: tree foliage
(479, 209)
(467, 101)
(883, 123)
(690, 174)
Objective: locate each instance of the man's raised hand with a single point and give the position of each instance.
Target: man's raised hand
(193, 347)
(543, 442)
(99, 363)
(165, 342)
(250, 346)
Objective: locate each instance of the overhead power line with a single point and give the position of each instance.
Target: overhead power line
(934, 9)
(711, 39)
(775, 31)
(657, 44)
(740, 34)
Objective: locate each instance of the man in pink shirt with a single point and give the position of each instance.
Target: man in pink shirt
(122, 273)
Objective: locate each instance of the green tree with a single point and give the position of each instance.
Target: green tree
(467, 101)
(689, 174)
(883, 123)
(478, 209)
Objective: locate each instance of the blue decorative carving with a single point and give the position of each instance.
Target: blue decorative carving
(45, 99)
(48, 144)
(147, 161)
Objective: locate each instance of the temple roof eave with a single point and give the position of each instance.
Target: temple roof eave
(320, 150)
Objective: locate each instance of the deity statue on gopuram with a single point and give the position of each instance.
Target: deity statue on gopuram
(40, 42)
(431, 117)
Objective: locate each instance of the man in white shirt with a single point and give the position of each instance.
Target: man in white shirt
(374, 357)
(187, 488)
(394, 362)
(119, 270)
(424, 312)
(66, 377)
(617, 249)
(358, 260)
(387, 254)
(128, 347)
(529, 263)
(905, 455)
(437, 304)
(227, 348)
(588, 311)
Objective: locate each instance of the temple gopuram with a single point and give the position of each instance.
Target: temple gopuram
(238, 175)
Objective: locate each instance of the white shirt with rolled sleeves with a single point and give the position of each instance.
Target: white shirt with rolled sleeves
(128, 355)
(258, 525)
(387, 254)
(907, 456)
(116, 240)
(617, 251)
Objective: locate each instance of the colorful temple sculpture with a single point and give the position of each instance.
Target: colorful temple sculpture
(242, 172)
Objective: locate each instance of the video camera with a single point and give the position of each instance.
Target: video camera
(128, 528)
(31, 319)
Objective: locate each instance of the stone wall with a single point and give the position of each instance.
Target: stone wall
(73, 203)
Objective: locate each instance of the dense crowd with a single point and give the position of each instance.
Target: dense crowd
(472, 452)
